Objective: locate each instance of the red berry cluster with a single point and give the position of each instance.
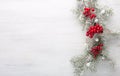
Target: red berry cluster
(88, 12)
(96, 50)
(94, 29)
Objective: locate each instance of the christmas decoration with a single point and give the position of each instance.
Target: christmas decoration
(94, 29)
(92, 18)
(88, 12)
(96, 50)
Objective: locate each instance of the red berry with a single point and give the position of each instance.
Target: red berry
(88, 9)
(97, 31)
(101, 28)
(92, 9)
(87, 34)
(96, 24)
(94, 30)
(101, 45)
(98, 28)
(98, 47)
(91, 36)
(96, 50)
(84, 13)
(92, 16)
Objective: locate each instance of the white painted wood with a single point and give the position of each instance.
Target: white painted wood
(39, 37)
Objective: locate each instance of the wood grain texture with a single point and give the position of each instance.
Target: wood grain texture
(39, 37)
